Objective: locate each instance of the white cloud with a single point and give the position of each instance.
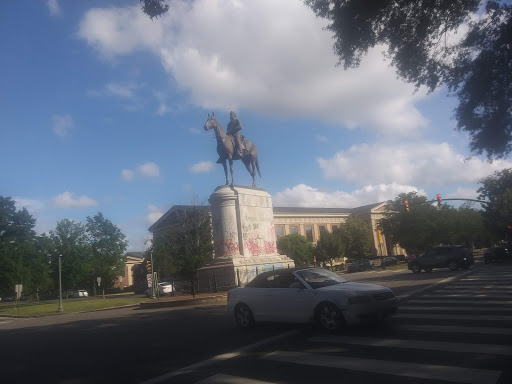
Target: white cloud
(219, 52)
(305, 196)
(202, 167)
(62, 124)
(419, 163)
(127, 174)
(126, 91)
(321, 139)
(149, 170)
(154, 214)
(53, 7)
(66, 200)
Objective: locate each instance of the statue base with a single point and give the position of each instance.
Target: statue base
(244, 239)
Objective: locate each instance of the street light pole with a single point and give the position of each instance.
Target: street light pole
(60, 287)
(153, 283)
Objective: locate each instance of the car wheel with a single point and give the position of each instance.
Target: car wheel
(428, 269)
(243, 316)
(415, 268)
(453, 265)
(329, 317)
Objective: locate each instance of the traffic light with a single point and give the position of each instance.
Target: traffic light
(406, 203)
(509, 227)
(439, 200)
(148, 266)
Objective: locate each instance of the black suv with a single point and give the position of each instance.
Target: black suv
(451, 256)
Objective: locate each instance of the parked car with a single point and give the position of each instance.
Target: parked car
(497, 254)
(389, 260)
(163, 288)
(76, 293)
(360, 265)
(305, 295)
(450, 256)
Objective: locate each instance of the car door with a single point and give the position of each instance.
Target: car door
(287, 299)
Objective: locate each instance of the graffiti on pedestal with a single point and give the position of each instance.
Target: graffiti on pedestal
(251, 242)
(270, 247)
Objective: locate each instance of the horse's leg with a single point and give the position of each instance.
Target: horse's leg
(250, 167)
(225, 171)
(253, 173)
(231, 169)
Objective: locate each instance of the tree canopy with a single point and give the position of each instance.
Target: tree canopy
(497, 190)
(477, 68)
(424, 225)
(297, 248)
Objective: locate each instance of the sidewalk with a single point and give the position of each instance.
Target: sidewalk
(182, 300)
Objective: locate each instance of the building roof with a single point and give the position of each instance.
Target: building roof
(277, 210)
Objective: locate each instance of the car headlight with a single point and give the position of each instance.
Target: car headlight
(359, 299)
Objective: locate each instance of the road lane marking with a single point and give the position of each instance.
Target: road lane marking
(486, 302)
(452, 317)
(488, 349)
(457, 329)
(452, 308)
(228, 379)
(219, 358)
(422, 371)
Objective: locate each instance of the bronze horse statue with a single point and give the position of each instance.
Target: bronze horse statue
(226, 151)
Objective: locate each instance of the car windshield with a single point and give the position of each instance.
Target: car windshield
(319, 277)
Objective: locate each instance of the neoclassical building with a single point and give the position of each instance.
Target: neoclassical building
(308, 222)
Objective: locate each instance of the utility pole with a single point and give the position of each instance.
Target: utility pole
(60, 286)
(153, 283)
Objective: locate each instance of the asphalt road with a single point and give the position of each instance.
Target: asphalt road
(133, 345)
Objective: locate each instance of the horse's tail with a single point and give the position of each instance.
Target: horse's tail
(257, 164)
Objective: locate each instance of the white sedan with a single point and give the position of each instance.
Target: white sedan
(305, 295)
(163, 288)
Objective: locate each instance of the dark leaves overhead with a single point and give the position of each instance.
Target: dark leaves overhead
(154, 8)
(415, 33)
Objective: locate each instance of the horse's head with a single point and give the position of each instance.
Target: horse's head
(210, 123)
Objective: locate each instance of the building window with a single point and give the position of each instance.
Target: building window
(294, 230)
(322, 229)
(334, 227)
(279, 231)
(309, 233)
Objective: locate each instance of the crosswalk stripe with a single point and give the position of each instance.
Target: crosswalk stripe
(465, 296)
(489, 349)
(452, 308)
(481, 286)
(486, 302)
(457, 329)
(228, 379)
(452, 317)
(422, 371)
(475, 291)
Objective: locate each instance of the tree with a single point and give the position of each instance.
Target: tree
(187, 247)
(297, 248)
(70, 241)
(329, 246)
(108, 246)
(476, 69)
(497, 190)
(17, 245)
(412, 229)
(356, 238)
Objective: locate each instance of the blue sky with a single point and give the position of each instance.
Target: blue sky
(102, 110)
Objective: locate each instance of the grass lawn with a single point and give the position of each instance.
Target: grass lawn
(45, 308)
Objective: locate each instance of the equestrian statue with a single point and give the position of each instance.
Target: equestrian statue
(232, 146)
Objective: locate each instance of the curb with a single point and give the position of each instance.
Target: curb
(218, 299)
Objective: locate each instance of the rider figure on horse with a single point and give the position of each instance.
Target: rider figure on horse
(234, 128)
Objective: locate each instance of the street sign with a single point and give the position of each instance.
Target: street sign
(18, 289)
(98, 279)
(149, 276)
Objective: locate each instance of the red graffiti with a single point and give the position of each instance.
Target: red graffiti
(231, 247)
(270, 247)
(252, 245)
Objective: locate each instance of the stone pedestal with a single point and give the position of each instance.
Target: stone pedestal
(243, 236)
